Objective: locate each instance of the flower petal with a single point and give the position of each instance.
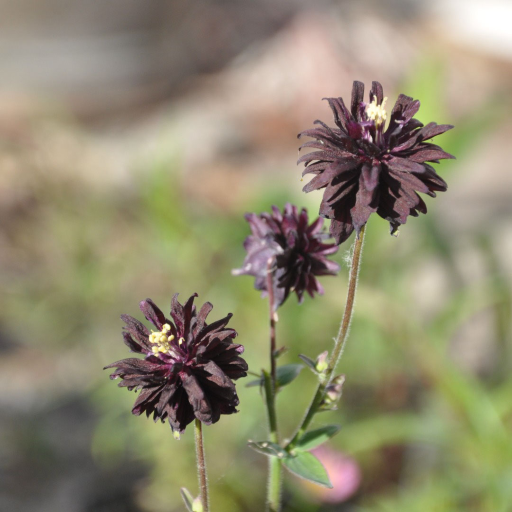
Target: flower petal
(153, 313)
(197, 398)
(376, 93)
(404, 165)
(201, 316)
(428, 153)
(366, 198)
(330, 172)
(341, 230)
(340, 111)
(357, 99)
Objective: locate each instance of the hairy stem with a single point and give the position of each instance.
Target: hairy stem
(270, 384)
(272, 324)
(340, 341)
(275, 466)
(201, 466)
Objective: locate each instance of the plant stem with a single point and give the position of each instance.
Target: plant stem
(271, 409)
(339, 342)
(274, 464)
(272, 317)
(270, 383)
(201, 465)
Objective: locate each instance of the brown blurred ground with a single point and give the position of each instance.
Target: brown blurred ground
(93, 94)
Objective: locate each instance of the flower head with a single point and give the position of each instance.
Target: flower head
(188, 366)
(286, 245)
(366, 168)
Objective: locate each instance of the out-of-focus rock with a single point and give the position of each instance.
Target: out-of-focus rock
(102, 57)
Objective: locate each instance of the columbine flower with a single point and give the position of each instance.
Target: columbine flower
(293, 248)
(366, 169)
(188, 365)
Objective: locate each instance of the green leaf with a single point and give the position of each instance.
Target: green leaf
(314, 438)
(280, 351)
(286, 373)
(187, 498)
(307, 466)
(266, 448)
(309, 363)
(254, 383)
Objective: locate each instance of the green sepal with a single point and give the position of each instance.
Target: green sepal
(187, 498)
(287, 373)
(280, 351)
(309, 363)
(307, 466)
(267, 448)
(255, 383)
(315, 438)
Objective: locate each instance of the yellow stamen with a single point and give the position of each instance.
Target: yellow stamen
(376, 112)
(181, 341)
(161, 340)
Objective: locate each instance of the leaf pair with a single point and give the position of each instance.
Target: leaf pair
(284, 375)
(298, 460)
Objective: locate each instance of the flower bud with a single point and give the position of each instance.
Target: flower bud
(333, 394)
(321, 362)
(197, 505)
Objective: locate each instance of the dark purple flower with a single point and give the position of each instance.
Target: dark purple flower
(366, 169)
(294, 250)
(188, 365)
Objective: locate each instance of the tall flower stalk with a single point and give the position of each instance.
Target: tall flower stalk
(285, 254)
(186, 373)
(187, 368)
(270, 385)
(201, 467)
(364, 167)
(339, 343)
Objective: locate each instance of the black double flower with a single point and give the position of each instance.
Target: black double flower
(365, 169)
(188, 367)
(291, 249)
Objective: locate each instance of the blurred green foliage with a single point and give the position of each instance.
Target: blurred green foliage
(430, 432)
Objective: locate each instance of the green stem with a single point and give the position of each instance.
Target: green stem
(270, 383)
(272, 325)
(275, 465)
(271, 409)
(339, 343)
(201, 465)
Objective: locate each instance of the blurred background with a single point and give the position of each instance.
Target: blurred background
(133, 138)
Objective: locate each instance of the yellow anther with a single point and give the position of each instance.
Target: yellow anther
(376, 112)
(181, 341)
(160, 340)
